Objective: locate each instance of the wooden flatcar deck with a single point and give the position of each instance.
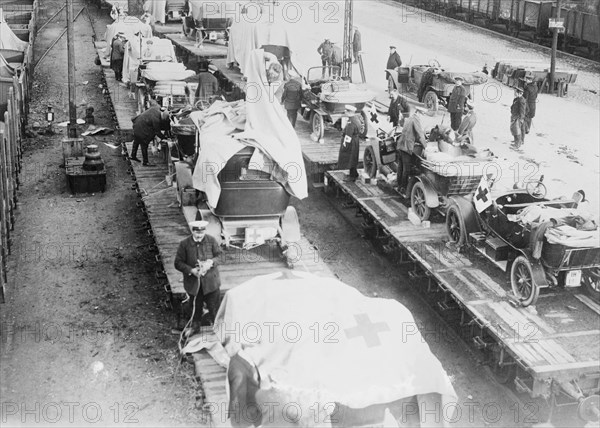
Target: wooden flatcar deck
(559, 337)
(207, 50)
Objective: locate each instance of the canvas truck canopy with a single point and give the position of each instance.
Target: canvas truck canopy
(321, 341)
(8, 39)
(260, 122)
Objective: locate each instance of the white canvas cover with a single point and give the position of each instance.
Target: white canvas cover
(318, 335)
(8, 39)
(265, 126)
(128, 25)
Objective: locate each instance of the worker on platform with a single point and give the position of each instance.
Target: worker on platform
(325, 49)
(117, 54)
(291, 99)
(350, 145)
(530, 93)
(146, 126)
(412, 143)
(197, 258)
(394, 60)
(456, 103)
(399, 108)
(356, 44)
(517, 118)
(208, 84)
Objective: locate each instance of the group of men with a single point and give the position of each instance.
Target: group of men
(522, 111)
(332, 54)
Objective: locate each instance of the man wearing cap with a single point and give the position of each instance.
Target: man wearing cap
(325, 49)
(394, 60)
(146, 126)
(399, 108)
(465, 130)
(530, 93)
(197, 258)
(411, 142)
(456, 103)
(517, 117)
(208, 84)
(292, 95)
(116, 56)
(350, 145)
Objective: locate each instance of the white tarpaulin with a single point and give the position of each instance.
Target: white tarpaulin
(129, 26)
(8, 40)
(266, 127)
(156, 8)
(320, 335)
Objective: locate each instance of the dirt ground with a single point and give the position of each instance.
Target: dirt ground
(86, 337)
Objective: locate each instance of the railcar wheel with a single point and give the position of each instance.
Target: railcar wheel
(591, 283)
(364, 124)
(370, 162)
(455, 226)
(418, 201)
(318, 125)
(522, 283)
(431, 101)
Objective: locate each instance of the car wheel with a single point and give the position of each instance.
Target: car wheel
(431, 101)
(591, 283)
(318, 125)
(455, 226)
(370, 162)
(418, 201)
(364, 124)
(522, 283)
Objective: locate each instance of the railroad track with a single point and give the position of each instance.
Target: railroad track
(581, 61)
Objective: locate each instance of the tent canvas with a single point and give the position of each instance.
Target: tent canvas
(8, 39)
(319, 336)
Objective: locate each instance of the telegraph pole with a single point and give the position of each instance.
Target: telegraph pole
(347, 53)
(72, 130)
(554, 47)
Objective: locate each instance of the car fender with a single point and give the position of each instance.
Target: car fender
(537, 269)
(468, 213)
(374, 143)
(393, 74)
(431, 196)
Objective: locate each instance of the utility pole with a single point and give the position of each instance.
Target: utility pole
(72, 130)
(554, 47)
(347, 64)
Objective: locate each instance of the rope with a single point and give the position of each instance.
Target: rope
(154, 187)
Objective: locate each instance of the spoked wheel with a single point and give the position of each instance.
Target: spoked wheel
(318, 125)
(455, 226)
(591, 282)
(522, 283)
(418, 202)
(431, 101)
(364, 124)
(370, 162)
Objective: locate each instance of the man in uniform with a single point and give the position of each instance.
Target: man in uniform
(456, 104)
(350, 145)
(399, 109)
(412, 142)
(292, 95)
(530, 93)
(146, 126)
(394, 60)
(197, 258)
(517, 118)
(116, 56)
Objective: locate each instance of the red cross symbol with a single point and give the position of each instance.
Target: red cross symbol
(367, 330)
(254, 236)
(482, 194)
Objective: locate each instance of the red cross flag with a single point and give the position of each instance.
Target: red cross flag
(377, 121)
(482, 197)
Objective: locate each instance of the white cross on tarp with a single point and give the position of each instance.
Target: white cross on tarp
(482, 196)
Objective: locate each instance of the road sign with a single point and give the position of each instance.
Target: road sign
(557, 23)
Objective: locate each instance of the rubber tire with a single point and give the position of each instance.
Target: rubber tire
(431, 101)
(455, 222)
(422, 211)
(364, 120)
(592, 289)
(318, 125)
(522, 266)
(370, 162)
